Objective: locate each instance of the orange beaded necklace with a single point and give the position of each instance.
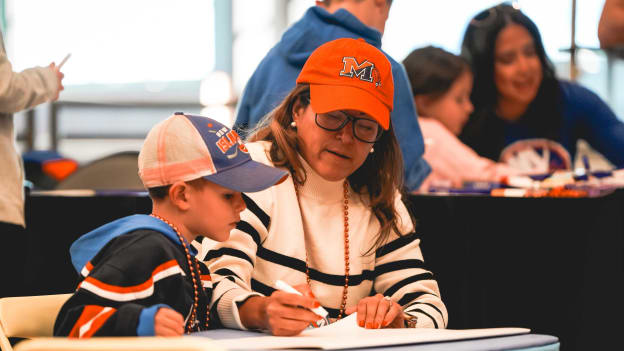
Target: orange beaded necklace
(195, 271)
(343, 304)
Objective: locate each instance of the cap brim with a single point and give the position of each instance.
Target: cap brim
(327, 98)
(249, 177)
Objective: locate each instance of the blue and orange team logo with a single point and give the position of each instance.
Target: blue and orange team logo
(228, 139)
(365, 71)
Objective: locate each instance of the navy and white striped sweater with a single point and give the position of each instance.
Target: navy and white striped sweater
(278, 229)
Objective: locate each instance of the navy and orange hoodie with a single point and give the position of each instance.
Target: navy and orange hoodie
(128, 269)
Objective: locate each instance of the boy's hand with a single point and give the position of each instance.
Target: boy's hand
(168, 322)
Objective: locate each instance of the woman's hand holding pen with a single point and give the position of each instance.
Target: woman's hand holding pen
(288, 313)
(282, 313)
(377, 311)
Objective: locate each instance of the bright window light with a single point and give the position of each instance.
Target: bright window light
(114, 41)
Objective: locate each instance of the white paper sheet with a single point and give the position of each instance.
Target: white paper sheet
(346, 334)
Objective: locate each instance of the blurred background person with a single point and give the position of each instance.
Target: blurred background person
(329, 20)
(611, 24)
(521, 109)
(441, 84)
(18, 91)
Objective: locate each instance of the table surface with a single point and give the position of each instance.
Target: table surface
(533, 342)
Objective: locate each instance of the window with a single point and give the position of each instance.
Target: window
(114, 41)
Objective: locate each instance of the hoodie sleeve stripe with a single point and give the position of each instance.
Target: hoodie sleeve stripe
(129, 293)
(86, 269)
(91, 319)
(206, 280)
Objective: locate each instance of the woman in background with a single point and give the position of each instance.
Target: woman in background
(521, 108)
(441, 85)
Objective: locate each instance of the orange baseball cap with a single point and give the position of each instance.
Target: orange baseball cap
(350, 74)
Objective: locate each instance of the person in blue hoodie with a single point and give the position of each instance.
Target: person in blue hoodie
(275, 76)
(139, 275)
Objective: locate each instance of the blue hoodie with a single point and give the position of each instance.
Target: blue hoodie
(275, 77)
(88, 245)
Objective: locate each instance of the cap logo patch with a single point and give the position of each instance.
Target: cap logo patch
(364, 71)
(229, 139)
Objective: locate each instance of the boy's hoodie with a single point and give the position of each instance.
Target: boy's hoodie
(130, 268)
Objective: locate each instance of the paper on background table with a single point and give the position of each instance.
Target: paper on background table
(346, 334)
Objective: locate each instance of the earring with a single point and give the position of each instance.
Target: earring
(372, 150)
(293, 125)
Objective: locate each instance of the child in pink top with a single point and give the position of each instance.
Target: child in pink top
(441, 85)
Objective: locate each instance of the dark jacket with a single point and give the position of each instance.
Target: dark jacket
(129, 269)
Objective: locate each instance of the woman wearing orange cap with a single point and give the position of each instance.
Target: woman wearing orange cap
(337, 229)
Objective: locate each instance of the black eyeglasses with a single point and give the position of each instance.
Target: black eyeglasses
(364, 129)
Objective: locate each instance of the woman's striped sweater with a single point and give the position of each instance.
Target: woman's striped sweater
(278, 229)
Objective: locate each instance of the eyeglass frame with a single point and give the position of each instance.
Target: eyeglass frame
(353, 121)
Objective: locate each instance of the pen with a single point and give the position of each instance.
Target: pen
(458, 191)
(63, 61)
(283, 286)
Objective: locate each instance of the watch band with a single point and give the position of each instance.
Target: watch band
(409, 320)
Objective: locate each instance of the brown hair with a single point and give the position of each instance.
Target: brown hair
(432, 71)
(377, 180)
(161, 192)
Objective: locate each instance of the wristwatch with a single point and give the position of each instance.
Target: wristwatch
(409, 321)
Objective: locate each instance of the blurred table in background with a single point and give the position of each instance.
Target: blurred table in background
(553, 265)
(54, 221)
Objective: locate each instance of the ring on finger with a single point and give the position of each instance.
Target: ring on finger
(388, 298)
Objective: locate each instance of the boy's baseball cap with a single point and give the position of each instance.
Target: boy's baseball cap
(350, 74)
(186, 147)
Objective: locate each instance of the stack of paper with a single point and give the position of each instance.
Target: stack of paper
(346, 334)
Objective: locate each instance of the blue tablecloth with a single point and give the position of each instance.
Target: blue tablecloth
(526, 342)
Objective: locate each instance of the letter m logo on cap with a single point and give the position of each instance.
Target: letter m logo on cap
(363, 71)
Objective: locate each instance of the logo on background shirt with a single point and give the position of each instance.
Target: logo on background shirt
(365, 71)
(536, 155)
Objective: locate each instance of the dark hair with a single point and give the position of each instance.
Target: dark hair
(432, 71)
(377, 180)
(484, 130)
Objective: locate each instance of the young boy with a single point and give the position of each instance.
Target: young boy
(139, 274)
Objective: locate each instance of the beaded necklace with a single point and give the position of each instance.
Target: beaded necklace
(194, 268)
(343, 304)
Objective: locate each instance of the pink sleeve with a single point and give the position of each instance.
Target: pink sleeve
(452, 160)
